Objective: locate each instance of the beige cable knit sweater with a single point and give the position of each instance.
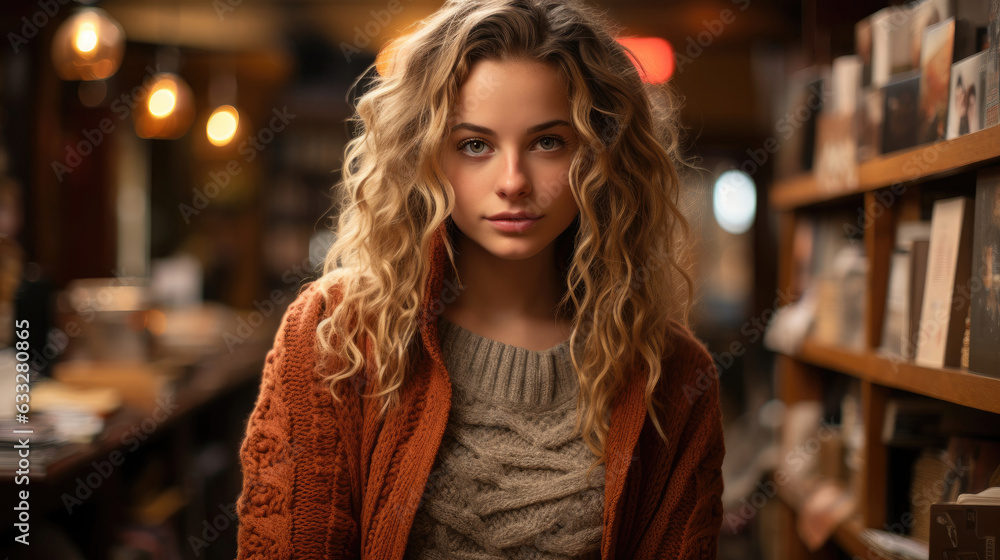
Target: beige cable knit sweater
(509, 478)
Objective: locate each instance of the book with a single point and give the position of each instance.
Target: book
(925, 14)
(891, 545)
(974, 460)
(992, 96)
(935, 68)
(964, 531)
(965, 340)
(933, 473)
(901, 112)
(914, 422)
(945, 305)
(882, 23)
(837, 268)
(984, 331)
(918, 274)
(807, 92)
(837, 127)
(894, 325)
(863, 48)
(871, 119)
(965, 104)
(895, 328)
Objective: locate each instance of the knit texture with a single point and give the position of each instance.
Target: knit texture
(509, 479)
(332, 479)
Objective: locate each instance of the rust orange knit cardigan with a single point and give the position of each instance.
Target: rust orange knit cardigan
(329, 480)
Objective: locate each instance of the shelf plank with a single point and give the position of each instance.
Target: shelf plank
(913, 164)
(948, 384)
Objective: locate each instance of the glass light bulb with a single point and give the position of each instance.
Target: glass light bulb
(162, 102)
(86, 38)
(222, 125)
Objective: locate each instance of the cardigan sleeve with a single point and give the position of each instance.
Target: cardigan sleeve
(678, 500)
(697, 476)
(266, 455)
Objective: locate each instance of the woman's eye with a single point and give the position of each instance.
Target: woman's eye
(475, 147)
(479, 147)
(549, 141)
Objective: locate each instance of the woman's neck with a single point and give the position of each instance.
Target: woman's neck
(500, 296)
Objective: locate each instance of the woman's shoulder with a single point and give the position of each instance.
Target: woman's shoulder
(302, 363)
(313, 302)
(297, 331)
(689, 370)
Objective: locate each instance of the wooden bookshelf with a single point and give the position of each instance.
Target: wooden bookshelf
(914, 164)
(804, 375)
(949, 384)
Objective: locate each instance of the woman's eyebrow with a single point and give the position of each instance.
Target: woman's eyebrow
(531, 130)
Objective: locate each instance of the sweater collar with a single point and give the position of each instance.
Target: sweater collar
(628, 413)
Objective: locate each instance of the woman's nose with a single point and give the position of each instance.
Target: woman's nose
(513, 183)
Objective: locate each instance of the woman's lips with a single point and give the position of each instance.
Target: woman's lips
(510, 225)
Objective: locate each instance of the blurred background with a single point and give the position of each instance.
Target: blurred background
(166, 174)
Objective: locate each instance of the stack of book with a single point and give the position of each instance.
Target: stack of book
(943, 303)
(922, 72)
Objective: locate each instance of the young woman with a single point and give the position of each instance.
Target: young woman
(495, 362)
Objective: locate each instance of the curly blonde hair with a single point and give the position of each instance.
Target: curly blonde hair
(626, 276)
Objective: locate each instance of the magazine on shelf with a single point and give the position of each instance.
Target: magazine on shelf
(945, 306)
(984, 332)
(935, 67)
(966, 103)
(925, 14)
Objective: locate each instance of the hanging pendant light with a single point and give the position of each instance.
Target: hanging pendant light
(169, 108)
(223, 123)
(89, 45)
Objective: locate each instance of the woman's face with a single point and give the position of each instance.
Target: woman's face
(509, 148)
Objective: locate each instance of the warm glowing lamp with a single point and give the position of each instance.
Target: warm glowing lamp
(169, 108)
(655, 57)
(89, 45)
(222, 125)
